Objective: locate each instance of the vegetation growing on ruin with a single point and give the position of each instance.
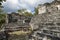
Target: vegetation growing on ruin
(2, 19)
(2, 13)
(24, 12)
(36, 11)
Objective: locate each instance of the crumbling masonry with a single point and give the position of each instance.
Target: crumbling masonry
(46, 24)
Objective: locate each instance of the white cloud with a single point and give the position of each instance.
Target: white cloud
(10, 5)
(13, 1)
(28, 4)
(31, 2)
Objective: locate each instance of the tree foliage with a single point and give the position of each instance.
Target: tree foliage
(2, 13)
(21, 11)
(36, 11)
(28, 14)
(2, 16)
(2, 19)
(2, 0)
(25, 12)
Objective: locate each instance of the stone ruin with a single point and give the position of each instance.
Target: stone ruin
(46, 25)
(14, 26)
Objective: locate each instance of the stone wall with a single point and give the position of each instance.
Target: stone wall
(42, 9)
(50, 21)
(49, 7)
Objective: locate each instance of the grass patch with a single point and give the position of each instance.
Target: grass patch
(20, 32)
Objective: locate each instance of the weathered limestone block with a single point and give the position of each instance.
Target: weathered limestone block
(50, 21)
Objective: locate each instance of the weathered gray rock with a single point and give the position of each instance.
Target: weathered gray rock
(45, 18)
(46, 21)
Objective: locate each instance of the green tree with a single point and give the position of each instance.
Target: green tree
(2, 19)
(24, 12)
(2, 13)
(36, 11)
(21, 11)
(28, 14)
(2, 0)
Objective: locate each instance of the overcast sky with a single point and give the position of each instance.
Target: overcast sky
(14, 5)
